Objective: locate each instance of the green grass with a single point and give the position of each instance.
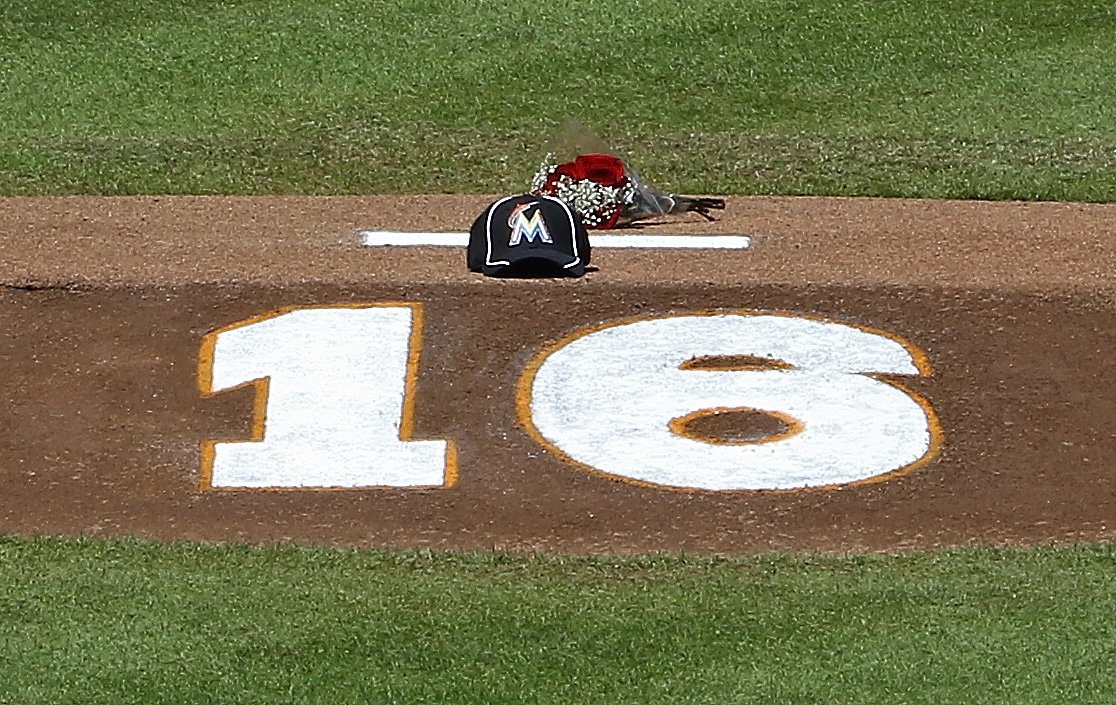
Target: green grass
(128, 622)
(927, 98)
(937, 98)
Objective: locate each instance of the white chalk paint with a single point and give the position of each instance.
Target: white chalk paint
(336, 401)
(606, 400)
(390, 238)
(335, 386)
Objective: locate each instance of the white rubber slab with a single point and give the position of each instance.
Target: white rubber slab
(391, 238)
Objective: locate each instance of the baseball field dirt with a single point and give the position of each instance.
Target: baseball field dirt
(113, 419)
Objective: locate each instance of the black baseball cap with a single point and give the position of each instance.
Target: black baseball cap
(528, 235)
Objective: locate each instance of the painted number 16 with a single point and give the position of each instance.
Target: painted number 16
(335, 401)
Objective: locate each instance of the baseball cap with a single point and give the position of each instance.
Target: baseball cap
(528, 235)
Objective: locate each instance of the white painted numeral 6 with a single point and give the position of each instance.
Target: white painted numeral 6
(610, 399)
(334, 395)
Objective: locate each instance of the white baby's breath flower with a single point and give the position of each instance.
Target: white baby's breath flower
(593, 202)
(538, 181)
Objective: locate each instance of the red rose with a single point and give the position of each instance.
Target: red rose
(604, 169)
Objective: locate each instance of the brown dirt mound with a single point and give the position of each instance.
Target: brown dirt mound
(106, 304)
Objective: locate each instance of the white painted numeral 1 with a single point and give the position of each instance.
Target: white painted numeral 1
(334, 401)
(611, 400)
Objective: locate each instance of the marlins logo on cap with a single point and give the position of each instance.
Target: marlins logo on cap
(528, 235)
(529, 228)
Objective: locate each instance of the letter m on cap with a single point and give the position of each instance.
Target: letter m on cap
(524, 228)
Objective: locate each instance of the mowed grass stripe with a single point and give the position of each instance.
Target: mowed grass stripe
(131, 622)
(1012, 99)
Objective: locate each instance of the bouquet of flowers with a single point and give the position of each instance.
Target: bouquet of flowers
(606, 192)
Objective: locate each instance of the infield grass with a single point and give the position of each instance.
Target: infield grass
(128, 622)
(942, 98)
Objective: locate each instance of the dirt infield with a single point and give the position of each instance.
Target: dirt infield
(107, 304)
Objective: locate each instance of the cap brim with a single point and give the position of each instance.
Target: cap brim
(555, 261)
